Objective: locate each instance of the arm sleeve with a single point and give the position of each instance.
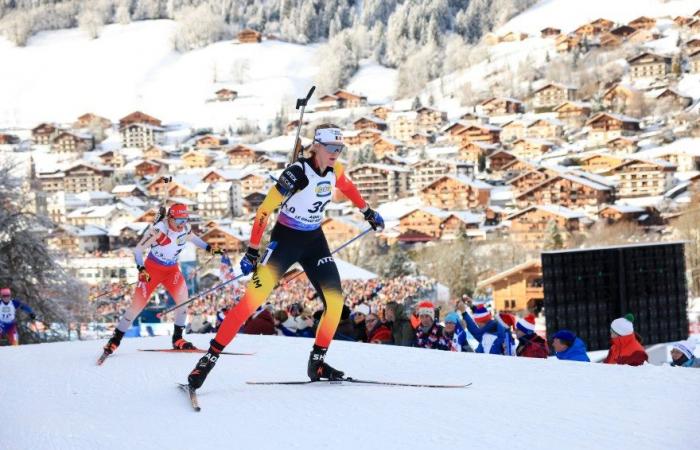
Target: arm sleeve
(196, 240)
(146, 241)
(23, 306)
(474, 330)
(272, 201)
(347, 187)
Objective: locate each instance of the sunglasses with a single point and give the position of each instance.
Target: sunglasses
(332, 148)
(180, 221)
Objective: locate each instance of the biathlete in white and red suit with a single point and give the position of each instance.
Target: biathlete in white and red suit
(166, 239)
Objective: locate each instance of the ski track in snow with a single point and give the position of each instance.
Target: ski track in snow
(55, 397)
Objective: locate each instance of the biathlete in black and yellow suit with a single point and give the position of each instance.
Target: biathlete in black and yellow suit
(303, 191)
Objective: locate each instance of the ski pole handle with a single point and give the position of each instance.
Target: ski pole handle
(303, 101)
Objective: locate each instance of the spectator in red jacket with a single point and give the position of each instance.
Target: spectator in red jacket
(530, 345)
(261, 322)
(377, 332)
(625, 348)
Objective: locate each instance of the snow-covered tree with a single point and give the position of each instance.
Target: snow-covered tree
(91, 21)
(17, 28)
(197, 27)
(338, 62)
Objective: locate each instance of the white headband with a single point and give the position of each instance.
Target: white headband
(329, 136)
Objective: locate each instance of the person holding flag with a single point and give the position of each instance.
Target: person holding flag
(164, 242)
(303, 191)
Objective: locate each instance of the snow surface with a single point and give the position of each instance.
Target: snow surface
(376, 82)
(55, 397)
(568, 15)
(62, 74)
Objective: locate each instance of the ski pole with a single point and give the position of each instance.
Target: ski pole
(334, 251)
(196, 296)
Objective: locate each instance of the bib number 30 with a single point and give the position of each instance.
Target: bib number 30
(319, 206)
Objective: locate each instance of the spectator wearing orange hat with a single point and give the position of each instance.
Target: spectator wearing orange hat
(488, 332)
(429, 333)
(625, 348)
(530, 345)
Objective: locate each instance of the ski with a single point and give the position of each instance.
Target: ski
(102, 358)
(194, 401)
(354, 380)
(194, 350)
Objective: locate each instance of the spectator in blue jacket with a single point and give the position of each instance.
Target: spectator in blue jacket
(456, 333)
(568, 347)
(489, 333)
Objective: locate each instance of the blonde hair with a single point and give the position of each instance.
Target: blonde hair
(310, 149)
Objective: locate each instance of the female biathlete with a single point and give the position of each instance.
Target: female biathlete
(165, 239)
(304, 189)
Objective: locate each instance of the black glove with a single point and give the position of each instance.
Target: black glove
(160, 215)
(250, 260)
(32, 316)
(375, 220)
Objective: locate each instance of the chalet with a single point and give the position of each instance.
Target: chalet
(83, 177)
(475, 152)
(544, 129)
(380, 183)
(643, 22)
(517, 289)
(215, 199)
(623, 31)
(620, 97)
(528, 180)
(675, 98)
(403, 125)
(513, 36)
(252, 202)
(512, 130)
(623, 144)
(272, 162)
(66, 142)
(147, 168)
(649, 65)
(602, 25)
(456, 192)
(426, 220)
(139, 117)
(291, 126)
(154, 152)
(470, 118)
(113, 159)
(248, 36)
(226, 95)
(568, 189)
(500, 106)
(90, 120)
(585, 31)
(550, 32)
(623, 213)
(381, 112)
(487, 134)
(140, 135)
(682, 21)
(224, 238)
(572, 113)
(384, 145)
(552, 94)
(609, 41)
(692, 44)
(641, 178)
(605, 126)
(600, 162)
(500, 158)
(426, 171)
(242, 155)
(429, 119)
(370, 122)
(252, 182)
(642, 35)
(529, 227)
(566, 43)
(128, 190)
(209, 141)
(364, 137)
(349, 100)
(422, 139)
(127, 235)
(44, 133)
(531, 148)
(458, 223)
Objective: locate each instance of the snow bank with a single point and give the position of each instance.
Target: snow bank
(55, 397)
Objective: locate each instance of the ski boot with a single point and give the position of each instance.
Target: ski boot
(318, 369)
(204, 365)
(179, 343)
(113, 342)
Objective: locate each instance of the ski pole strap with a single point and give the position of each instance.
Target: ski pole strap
(196, 296)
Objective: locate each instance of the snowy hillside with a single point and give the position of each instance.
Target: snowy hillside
(63, 74)
(560, 13)
(53, 396)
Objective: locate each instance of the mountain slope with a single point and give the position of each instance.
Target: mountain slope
(55, 397)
